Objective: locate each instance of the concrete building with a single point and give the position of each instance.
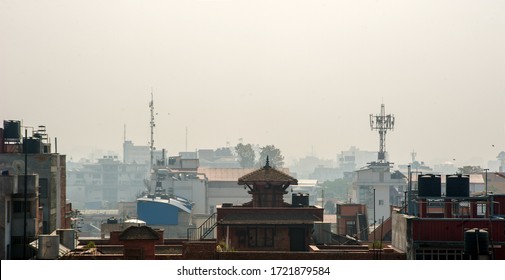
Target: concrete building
(314, 168)
(139, 154)
(501, 160)
(322, 173)
(352, 221)
(50, 167)
(219, 158)
(89, 221)
(378, 187)
(222, 186)
(12, 202)
(181, 177)
(103, 184)
(353, 159)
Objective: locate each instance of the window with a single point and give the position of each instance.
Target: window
(381, 202)
(252, 232)
(242, 237)
(350, 228)
(16, 240)
(19, 207)
(260, 237)
(43, 190)
(8, 211)
(439, 254)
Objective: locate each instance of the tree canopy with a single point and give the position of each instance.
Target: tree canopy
(246, 155)
(274, 155)
(468, 169)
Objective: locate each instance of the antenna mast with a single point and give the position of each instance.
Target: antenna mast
(151, 106)
(382, 123)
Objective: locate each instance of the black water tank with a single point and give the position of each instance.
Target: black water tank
(33, 146)
(457, 185)
(429, 185)
(300, 199)
(476, 242)
(12, 131)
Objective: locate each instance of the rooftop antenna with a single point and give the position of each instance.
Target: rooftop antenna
(124, 141)
(382, 123)
(151, 106)
(413, 155)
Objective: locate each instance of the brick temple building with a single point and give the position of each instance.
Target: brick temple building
(267, 223)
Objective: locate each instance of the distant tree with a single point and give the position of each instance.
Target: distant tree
(329, 208)
(339, 189)
(468, 169)
(274, 155)
(223, 152)
(246, 155)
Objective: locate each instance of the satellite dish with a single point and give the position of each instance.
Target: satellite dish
(18, 167)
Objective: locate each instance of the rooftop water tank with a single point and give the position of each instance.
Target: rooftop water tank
(300, 199)
(457, 185)
(429, 185)
(33, 145)
(12, 131)
(476, 243)
(48, 247)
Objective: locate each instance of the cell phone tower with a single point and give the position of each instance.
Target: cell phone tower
(382, 123)
(152, 125)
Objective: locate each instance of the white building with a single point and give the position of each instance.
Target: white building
(378, 188)
(105, 183)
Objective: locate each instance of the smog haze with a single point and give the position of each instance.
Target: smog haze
(301, 75)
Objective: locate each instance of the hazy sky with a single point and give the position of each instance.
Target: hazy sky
(302, 75)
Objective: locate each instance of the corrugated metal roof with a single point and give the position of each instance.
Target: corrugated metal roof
(229, 174)
(99, 212)
(224, 174)
(307, 182)
(454, 229)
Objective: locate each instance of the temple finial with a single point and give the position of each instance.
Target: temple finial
(267, 165)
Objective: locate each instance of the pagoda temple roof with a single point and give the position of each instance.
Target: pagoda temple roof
(267, 174)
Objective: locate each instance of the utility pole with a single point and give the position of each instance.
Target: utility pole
(25, 238)
(409, 197)
(488, 209)
(486, 169)
(374, 216)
